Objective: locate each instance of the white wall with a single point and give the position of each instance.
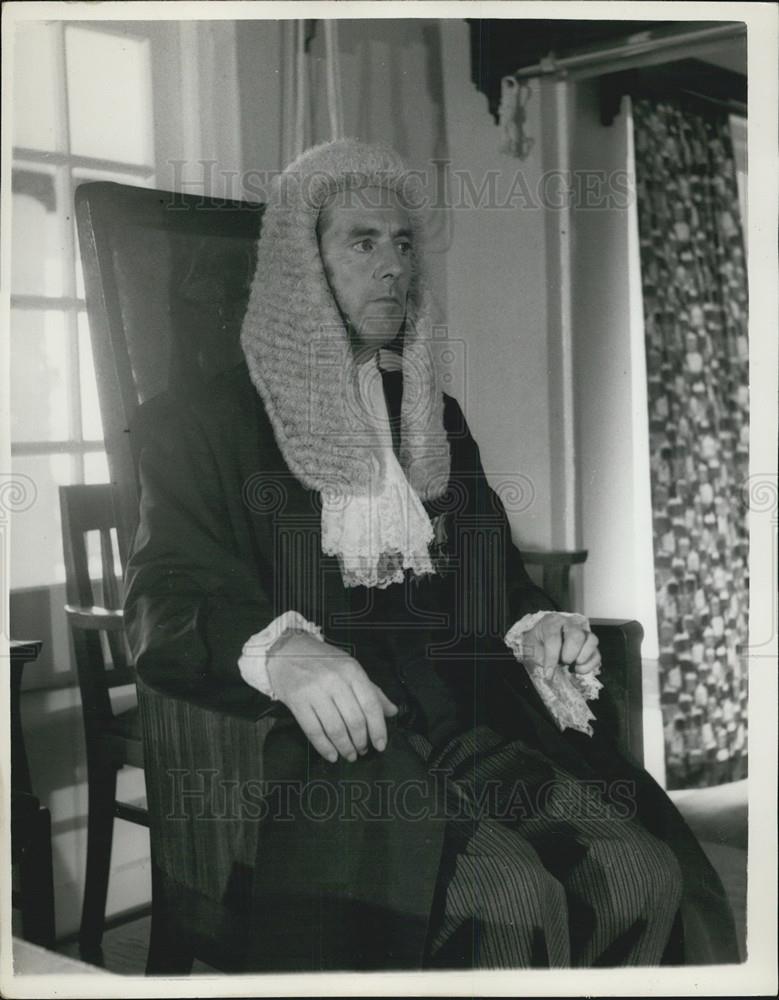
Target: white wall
(613, 496)
(614, 508)
(496, 269)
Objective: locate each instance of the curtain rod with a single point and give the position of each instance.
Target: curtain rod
(640, 49)
(728, 104)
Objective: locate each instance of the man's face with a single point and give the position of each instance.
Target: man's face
(365, 242)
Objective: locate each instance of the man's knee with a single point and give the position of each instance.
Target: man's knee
(666, 880)
(524, 884)
(649, 875)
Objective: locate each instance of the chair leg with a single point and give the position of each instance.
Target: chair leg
(100, 829)
(38, 883)
(170, 953)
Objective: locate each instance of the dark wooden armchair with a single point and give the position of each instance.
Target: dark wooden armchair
(167, 279)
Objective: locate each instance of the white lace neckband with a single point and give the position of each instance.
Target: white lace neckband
(378, 536)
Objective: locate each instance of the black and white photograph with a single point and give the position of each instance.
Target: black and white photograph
(389, 505)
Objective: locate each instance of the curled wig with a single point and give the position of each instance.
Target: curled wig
(297, 346)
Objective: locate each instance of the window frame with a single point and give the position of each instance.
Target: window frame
(71, 304)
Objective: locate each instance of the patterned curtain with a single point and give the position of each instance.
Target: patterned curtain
(695, 310)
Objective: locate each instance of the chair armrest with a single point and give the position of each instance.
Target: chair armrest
(95, 619)
(620, 705)
(204, 753)
(555, 565)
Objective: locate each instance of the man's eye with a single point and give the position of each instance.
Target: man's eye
(405, 247)
(364, 246)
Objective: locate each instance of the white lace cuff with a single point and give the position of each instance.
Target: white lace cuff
(253, 661)
(565, 694)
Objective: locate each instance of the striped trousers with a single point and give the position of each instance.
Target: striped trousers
(540, 869)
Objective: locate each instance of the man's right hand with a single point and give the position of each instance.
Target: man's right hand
(336, 704)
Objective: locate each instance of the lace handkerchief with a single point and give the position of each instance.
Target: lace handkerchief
(566, 693)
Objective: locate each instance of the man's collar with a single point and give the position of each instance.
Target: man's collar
(389, 361)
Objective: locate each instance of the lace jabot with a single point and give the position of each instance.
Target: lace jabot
(379, 535)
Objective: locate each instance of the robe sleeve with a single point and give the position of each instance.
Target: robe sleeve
(191, 601)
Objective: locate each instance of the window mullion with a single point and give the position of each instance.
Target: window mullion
(75, 160)
(69, 253)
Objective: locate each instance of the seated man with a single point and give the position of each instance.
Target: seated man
(320, 529)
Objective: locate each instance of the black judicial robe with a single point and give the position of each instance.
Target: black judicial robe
(228, 539)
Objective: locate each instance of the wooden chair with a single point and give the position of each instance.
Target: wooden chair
(555, 566)
(167, 280)
(113, 740)
(31, 860)
(32, 876)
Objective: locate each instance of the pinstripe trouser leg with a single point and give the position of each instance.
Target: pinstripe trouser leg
(567, 880)
(503, 909)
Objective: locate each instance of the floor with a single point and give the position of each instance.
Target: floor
(718, 818)
(124, 948)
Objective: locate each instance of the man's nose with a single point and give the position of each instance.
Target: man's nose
(389, 264)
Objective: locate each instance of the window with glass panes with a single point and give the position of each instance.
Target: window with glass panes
(82, 111)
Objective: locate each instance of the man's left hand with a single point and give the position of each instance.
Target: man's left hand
(561, 639)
